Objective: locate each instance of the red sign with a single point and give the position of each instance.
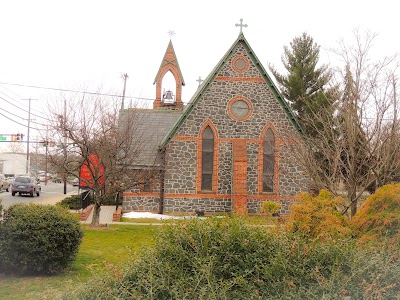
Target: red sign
(91, 170)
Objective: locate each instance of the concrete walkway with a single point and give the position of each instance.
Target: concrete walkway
(106, 215)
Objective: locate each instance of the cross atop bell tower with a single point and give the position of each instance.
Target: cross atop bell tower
(167, 100)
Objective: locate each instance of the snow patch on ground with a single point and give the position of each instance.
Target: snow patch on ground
(149, 215)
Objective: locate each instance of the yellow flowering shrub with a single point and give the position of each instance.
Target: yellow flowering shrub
(319, 217)
(378, 219)
(270, 207)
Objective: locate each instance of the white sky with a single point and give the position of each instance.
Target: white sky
(67, 44)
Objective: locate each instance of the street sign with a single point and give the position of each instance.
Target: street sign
(3, 138)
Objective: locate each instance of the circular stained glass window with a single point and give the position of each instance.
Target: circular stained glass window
(240, 109)
(240, 64)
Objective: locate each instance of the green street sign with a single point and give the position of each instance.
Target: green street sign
(3, 138)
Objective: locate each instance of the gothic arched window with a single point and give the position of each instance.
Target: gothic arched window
(268, 161)
(207, 159)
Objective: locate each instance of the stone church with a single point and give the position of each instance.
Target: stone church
(225, 151)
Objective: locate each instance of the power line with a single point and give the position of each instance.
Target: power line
(75, 91)
(22, 108)
(18, 122)
(15, 100)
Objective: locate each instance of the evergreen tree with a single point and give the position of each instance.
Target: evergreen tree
(305, 85)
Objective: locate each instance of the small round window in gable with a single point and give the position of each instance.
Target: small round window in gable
(239, 108)
(240, 64)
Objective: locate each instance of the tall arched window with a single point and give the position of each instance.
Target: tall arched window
(207, 156)
(268, 161)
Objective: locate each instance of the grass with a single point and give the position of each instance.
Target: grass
(101, 249)
(142, 220)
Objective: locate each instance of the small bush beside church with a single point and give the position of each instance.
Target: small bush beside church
(270, 207)
(40, 239)
(378, 219)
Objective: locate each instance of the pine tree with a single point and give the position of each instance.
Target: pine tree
(305, 85)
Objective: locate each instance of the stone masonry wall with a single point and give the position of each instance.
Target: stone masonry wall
(209, 205)
(182, 175)
(134, 202)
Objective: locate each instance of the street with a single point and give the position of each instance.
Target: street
(51, 191)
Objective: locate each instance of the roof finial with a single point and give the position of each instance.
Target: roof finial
(199, 80)
(171, 33)
(241, 25)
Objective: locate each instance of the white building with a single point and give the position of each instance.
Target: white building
(12, 163)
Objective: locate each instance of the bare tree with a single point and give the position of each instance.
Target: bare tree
(87, 128)
(356, 149)
(16, 147)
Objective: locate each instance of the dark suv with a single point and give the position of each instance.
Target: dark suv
(25, 185)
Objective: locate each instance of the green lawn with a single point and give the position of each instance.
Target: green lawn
(101, 250)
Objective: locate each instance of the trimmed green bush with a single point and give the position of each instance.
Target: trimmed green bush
(38, 239)
(71, 202)
(227, 259)
(75, 201)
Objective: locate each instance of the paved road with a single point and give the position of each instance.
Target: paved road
(50, 194)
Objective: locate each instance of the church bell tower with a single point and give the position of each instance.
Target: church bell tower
(167, 99)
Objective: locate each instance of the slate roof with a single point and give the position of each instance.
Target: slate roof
(150, 128)
(197, 95)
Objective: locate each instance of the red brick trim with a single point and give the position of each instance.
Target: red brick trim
(117, 215)
(245, 79)
(83, 215)
(231, 140)
(239, 184)
(262, 197)
(245, 61)
(146, 194)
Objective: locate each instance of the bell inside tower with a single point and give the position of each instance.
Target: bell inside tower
(169, 86)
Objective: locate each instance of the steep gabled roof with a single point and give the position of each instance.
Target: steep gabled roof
(169, 60)
(149, 129)
(210, 78)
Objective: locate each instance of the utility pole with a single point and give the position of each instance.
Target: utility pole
(65, 146)
(27, 143)
(124, 77)
(47, 146)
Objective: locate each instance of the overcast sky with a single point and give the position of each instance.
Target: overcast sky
(68, 44)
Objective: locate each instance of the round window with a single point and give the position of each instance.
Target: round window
(239, 108)
(240, 64)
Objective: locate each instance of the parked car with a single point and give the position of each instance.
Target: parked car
(26, 185)
(75, 182)
(10, 179)
(57, 180)
(4, 184)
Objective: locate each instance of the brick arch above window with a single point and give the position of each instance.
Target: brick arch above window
(208, 122)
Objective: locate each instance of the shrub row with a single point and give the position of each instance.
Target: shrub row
(75, 201)
(227, 259)
(38, 239)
